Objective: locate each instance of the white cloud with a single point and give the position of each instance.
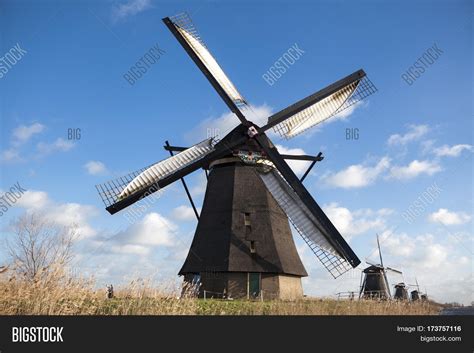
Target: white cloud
(64, 214)
(451, 151)
(20, 135)
(184, 213)
(33, 200)
(226, 122)
(23, 133)
(130, 249)
(447, 217)
(350, 223)
(130, 8)
(367, 212)
(153, 230)
(258, 114)
(59, 145)
(357, 175)
(415, 132)
(11, 155)
(385, 212)
(95, 168)
(73, 213)
(420, 252)
(427, 146)
(414, 169)
(397, 244)
(435, 256)
(299, 167)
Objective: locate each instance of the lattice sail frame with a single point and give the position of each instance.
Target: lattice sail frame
(186, 28)
(304, 222)
(116, 190)
(325, 108)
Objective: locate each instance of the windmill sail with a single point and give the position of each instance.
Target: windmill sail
(316, 113)
(168, 166)
(393, 270)
(182, 27)
(119, 189)
(321, 105)
(306, 224)
(380, 251)
(339, 254)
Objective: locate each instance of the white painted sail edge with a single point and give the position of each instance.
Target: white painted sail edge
(166, 167)
(317, 112)
(211, 64)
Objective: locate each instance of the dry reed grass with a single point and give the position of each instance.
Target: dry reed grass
(56, 293)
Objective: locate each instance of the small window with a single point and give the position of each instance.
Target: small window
(253, 248)
(247, 219)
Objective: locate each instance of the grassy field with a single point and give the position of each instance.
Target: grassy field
(56, 294)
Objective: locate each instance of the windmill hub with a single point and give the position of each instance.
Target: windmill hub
(252, 131)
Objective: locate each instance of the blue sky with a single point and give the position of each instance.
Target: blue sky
(410, 136)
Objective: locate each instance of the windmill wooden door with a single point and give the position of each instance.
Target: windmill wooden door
(254, 284)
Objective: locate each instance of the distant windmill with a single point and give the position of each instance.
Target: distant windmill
(374, 282)
(425, 295)
(401, 291)
(243, 243)
(416, 294)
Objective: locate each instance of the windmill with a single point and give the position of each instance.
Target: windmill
(416, 294)
(424, 297)
(374, 282)
(401, 291)
(243, 243)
